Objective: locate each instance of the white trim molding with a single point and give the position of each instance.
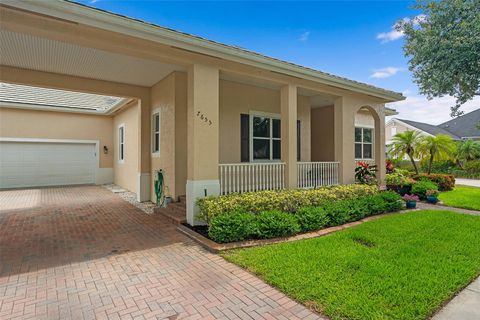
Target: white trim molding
(121, 143)
(197, 189)
(143, 187)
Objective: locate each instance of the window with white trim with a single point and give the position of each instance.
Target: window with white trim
(156, 132)
(363, 143)
(394, 131)
(265, 138)
(121, 143)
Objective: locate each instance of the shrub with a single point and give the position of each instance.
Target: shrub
(283, 200)
(392, 201)
(237, 226)
(472, 167)
(232, 227)
(338, 212)
(458, 173)
(445, 182)
(445, 166)
(312, 218)
(275, 223)
(421, 187)
(366, 173)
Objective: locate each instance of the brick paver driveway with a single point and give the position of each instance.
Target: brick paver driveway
(84, 253)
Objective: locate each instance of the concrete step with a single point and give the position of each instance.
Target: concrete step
(175, 212)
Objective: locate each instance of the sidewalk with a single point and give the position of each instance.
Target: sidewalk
(468, 182)
(465, 306)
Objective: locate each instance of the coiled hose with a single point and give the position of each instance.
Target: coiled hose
(159, 186)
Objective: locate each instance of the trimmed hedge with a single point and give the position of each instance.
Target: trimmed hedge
(312, 218)
(275, 223)
(283, 200)
(237, 226)
(445, 182)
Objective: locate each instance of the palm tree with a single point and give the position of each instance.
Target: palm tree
(405, 143)
(440, 147)
(468, 150)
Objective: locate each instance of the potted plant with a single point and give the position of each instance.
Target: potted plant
(432, 196)
(410, 200)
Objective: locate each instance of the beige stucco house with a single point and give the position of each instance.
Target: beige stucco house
(88, 96)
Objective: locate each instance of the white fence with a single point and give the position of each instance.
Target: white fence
(245, 177)
(316, 174)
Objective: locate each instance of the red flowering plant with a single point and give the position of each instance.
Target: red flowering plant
(389, 166)
(366, 173)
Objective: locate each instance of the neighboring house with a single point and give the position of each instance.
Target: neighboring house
(464, 127)
(88, 96)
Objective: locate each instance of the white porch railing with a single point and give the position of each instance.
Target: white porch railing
(316, 174)
(245, 177)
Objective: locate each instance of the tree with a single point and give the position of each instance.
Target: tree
(439, 147)
(443, 46)
(406, 144)
(468, 150)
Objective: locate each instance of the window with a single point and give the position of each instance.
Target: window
(121, 143)
(156, 133)
(394, 131)
(266, 142)
(363, 143)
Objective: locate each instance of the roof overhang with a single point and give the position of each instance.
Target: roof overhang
(78, 13)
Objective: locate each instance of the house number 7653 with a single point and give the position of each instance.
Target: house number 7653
(204, 118)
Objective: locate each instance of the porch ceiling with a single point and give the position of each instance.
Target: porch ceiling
(41, 54)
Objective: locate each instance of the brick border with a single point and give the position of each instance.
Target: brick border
(215, 247)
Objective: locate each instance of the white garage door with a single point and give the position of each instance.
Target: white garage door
(33, 164)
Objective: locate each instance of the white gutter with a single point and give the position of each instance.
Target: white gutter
(112, 22)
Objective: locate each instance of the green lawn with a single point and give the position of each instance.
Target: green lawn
(462, 197)
(402, 266)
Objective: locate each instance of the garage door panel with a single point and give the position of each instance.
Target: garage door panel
(25, 164)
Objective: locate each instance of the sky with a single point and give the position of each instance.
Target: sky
(352, 39)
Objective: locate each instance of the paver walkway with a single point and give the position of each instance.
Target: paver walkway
(84, 253)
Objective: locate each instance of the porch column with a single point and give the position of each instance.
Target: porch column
(288, 109)
(344, 136)
(380, 148)
(143, 179)
(202, 136)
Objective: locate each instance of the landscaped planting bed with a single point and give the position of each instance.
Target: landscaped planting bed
(272, 214)
(399, 267)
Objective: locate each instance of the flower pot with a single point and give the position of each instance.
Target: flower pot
(403, 190)
(432, 199)
(411, 204)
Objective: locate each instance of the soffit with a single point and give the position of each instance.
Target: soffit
(41, 54)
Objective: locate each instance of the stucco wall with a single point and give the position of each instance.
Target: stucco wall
(364, 118)
(323, 146)
(20, 123)
(237, 98)
(163, 101)
(126, 173)
(169, 97)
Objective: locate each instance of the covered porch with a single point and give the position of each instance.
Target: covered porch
(251, 143)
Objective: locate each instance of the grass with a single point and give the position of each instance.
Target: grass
(402, 266)
(462, 197)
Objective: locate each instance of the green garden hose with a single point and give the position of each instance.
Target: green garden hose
(159, 192)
